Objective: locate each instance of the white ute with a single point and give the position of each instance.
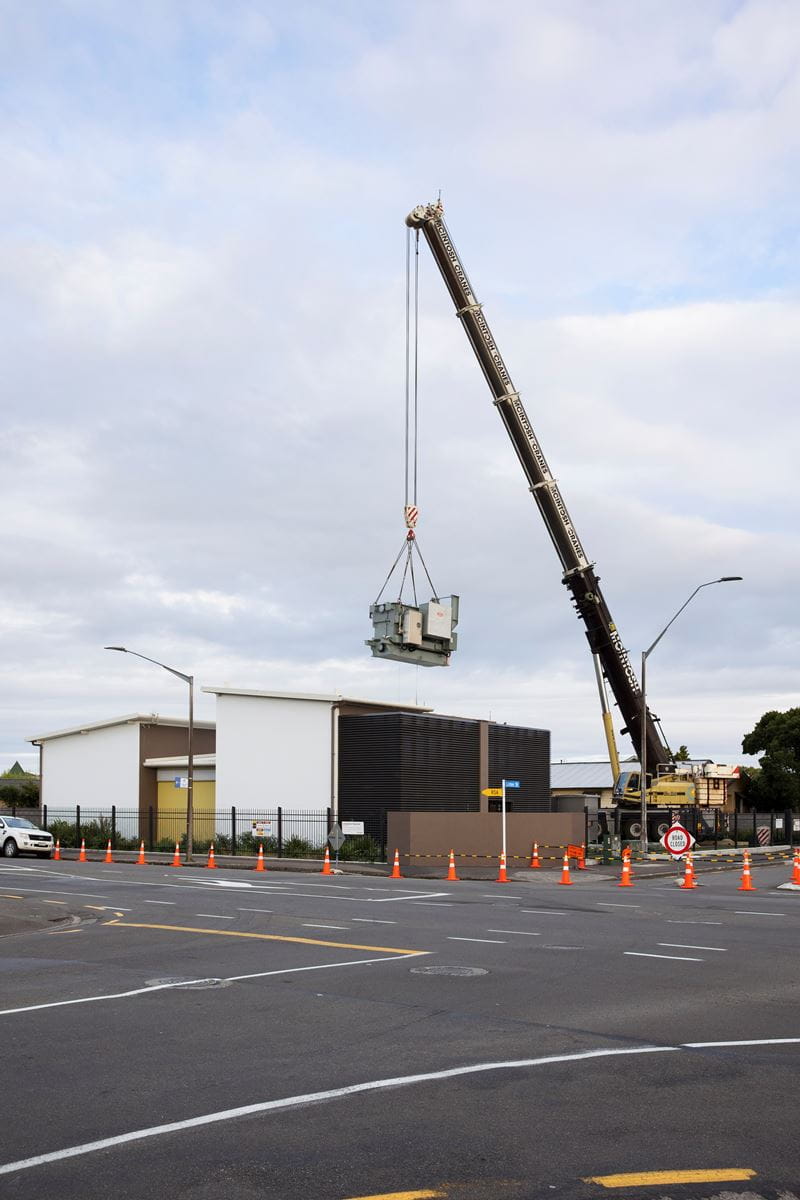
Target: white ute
(19, 836)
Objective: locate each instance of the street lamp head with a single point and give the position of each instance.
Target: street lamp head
(122, 648)
(729, 579)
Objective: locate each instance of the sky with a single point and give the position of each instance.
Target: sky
(202, 303)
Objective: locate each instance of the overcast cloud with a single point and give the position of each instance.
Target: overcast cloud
(202, 304)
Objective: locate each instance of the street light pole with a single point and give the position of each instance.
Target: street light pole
(643, 732)
(190, 770)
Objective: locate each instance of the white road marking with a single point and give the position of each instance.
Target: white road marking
(681, 946)
(499, 896)
(546, 912)
(694, 922)
(374, 1085)
(163, 987)
(488, 941)
(518, 932)
(673, 957)
(311, 925)
(421, 896)
(749, 912)
(612, 904)
(59, 892)
(547, 947)
(173, 902)
(434, 903)
(223, 916)
(266, 910)
(373, 921)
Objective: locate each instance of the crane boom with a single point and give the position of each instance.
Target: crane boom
(579, 575)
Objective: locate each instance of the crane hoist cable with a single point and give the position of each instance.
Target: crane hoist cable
(410, 508)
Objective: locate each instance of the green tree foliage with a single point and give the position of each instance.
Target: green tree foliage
(682, 754)
(776, 737)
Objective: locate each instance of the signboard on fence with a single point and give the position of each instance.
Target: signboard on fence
(261, 829)
(352, 828)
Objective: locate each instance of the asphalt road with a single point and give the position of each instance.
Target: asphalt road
(203, 1034)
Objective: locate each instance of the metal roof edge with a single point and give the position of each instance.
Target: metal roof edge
(129, 719)
(323, 698)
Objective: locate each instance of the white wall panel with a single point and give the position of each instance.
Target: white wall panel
(94, 769)
(273, 751)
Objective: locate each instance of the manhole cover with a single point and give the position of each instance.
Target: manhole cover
(460, 971)
(195, 984)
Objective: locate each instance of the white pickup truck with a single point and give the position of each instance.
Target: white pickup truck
(20, 836)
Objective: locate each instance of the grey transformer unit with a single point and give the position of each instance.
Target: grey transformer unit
(424, 635)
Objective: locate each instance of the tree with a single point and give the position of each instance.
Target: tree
(682, 754)
(777, 734)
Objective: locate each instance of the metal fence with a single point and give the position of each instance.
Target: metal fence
(284, 833)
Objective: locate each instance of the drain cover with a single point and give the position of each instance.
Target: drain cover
(459, 971)
(196, 984)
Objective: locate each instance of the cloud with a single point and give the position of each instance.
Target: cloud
(201, 290)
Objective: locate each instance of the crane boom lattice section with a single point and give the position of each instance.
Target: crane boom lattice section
(579, 574)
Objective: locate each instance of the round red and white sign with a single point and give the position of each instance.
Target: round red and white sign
(677, 840)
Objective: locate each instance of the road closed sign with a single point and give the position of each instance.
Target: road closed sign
(677, 840)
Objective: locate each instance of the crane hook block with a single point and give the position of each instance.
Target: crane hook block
(425, 635)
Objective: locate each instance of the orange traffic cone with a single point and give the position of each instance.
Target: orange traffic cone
(396, 867)
(326, 866)
(689, 880)
(451, 869)
(141, 861)
(57, 855)
(176, 858)
(82, 852)
(565, 879)
(796, 871)
(211, 865)
(108, 857)
(747, 884)
(625, 879)
(260, 862)
(535, 857)
(502, 877)
(582, 859)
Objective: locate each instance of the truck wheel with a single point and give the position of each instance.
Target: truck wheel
(661, 829)
(635, 829)
(10, 848)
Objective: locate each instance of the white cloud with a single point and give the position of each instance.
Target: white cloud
(202, 299)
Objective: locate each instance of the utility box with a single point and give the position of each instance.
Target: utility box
(424, 635)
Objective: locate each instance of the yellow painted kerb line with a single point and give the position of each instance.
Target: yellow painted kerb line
(653, 1178)
(265, 937)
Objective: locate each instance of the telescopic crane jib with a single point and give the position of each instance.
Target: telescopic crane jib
(579, 575)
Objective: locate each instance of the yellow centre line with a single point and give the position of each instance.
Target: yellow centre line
(265, 937)
(424, 1195)
(653, 1178)
(6, 896)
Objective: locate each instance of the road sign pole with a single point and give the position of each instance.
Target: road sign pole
(503, 811)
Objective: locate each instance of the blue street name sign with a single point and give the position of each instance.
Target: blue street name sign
(511, 782)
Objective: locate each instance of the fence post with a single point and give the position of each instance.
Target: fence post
(754, 838)
(772, 828)
(113, 826)
(150, 827)
(735, 828)
(233, 830)
(44, 816)
(77, 824)
(716, 828)
(280, 831)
